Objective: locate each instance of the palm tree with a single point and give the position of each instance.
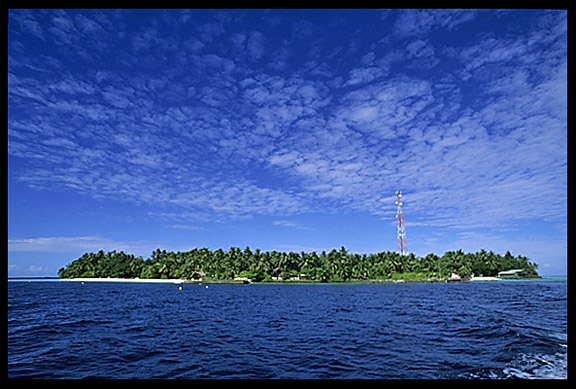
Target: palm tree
(136, 265)
(490, 264)
(163, 269)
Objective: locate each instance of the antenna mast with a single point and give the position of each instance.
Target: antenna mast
(402, 243)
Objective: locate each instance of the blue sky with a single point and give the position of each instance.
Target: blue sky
(285, 130)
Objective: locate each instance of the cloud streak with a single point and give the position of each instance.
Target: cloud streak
(77, 244)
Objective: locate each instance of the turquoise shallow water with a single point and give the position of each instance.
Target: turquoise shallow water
(472, 330)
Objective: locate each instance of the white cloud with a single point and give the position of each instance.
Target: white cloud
(365, 75)
(340, 134)
(421, 22)
(365, 113)
(255, 44)
(30, 270)
(289, 224)
(77, 244)
(186, 227)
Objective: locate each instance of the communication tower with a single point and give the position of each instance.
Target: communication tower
(402, 243)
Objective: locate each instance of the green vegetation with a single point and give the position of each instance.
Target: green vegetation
(335, 266)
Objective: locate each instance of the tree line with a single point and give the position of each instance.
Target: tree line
(334, 266)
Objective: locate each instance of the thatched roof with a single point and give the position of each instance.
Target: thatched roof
(197, 274)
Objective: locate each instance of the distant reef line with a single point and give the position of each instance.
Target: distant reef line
(271, 266)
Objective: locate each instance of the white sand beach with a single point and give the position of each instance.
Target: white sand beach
(145, 280)
(485, 279)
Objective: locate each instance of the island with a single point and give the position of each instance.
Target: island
(235, 265)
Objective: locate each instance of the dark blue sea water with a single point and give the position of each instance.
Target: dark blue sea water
(107, 330)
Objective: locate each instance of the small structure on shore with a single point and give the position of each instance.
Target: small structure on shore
(197, 275)
(514, 273)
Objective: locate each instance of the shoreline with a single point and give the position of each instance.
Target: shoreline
(155, 280)
(133, 280)
(246, 281)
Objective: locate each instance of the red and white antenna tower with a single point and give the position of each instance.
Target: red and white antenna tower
(402, 243)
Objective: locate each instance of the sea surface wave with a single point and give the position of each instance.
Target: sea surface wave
(411, 331)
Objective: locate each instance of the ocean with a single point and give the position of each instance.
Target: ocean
(484, 330)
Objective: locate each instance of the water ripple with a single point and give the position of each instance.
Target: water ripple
(60, 330)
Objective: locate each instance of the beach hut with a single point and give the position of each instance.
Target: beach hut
(197, 274)
(514, 273)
